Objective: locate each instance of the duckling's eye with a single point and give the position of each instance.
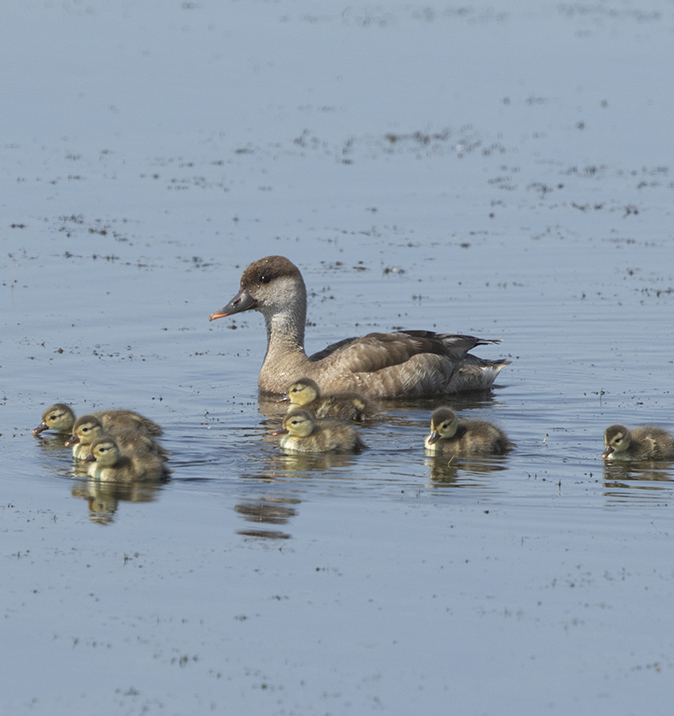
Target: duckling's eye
(84, 430)
(445, 425)
(617, 440)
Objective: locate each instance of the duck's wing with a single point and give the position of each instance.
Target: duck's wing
(382, 350)
(405, 363)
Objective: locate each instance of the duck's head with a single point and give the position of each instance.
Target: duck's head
(104, 451)
(616, 440)
(58, 417)
(298, 423)
(268, 285)
(85, 430)
(302, 392)
(443, 425)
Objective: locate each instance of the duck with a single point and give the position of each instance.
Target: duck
(401, 364)
(342, 406)
(449, 436)
(302, 432)
(88, 428)
(646, 443)
(106, 462)
(61, 418)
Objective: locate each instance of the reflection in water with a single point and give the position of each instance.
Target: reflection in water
(452, 472)
(268, 510)
(625, 480)
(103, 497)
(52, 443)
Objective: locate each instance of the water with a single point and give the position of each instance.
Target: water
(498, 171)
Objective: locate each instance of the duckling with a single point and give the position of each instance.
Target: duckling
(646, 443)
(383, 365)
(61, 418)
(303, 433)
(343, 406)
(109, 464)
(469, 437)
(89, 428)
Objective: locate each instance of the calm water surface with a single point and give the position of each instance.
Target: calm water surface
(502, 171)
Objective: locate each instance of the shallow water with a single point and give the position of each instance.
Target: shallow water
(498, 171)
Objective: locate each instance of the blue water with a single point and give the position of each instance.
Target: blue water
(501, 171)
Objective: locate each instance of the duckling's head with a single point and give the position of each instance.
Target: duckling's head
(59, 417)
(443, 425)
(616, 440)
(268, 285)
(104, 451)
(299, 423)
(302, 392)
(85, 430)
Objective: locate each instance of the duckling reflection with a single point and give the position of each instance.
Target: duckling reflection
(646, 443)
(342, 406)
(103, 498)
(108, 463)
(456, 471)
(88, 428)
(449, 436)
(303, 433)
(61, 418)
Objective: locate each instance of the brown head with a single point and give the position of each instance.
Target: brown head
(263, 285)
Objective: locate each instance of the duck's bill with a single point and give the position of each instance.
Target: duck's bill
(282, 431)
(89, 458)
(72, 440)
(285, 398)
(40, 428)
(607, 453)
(433, 438)
(241, 302)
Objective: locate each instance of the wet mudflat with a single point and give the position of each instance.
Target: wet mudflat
(499, 172)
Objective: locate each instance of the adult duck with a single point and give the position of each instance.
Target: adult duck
(383, 365)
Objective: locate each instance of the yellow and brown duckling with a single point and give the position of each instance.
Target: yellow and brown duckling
(450, 436)
(382, 365)
(106, 462)
(89, 428)
(61, 418)
(342, 406)
(646, 443)
(302, 432)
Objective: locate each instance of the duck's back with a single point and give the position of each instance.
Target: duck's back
(475, 437)
(651, 443)
(403, 364)
(115, 420)
(343, 406)
(328, 436)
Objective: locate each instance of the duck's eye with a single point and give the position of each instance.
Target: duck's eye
(264, 278)
(84, 430)
(618, 440)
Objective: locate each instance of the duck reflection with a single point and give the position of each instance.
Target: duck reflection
(103, 498)
(618, 473)
(456, 471)
(267, 511)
